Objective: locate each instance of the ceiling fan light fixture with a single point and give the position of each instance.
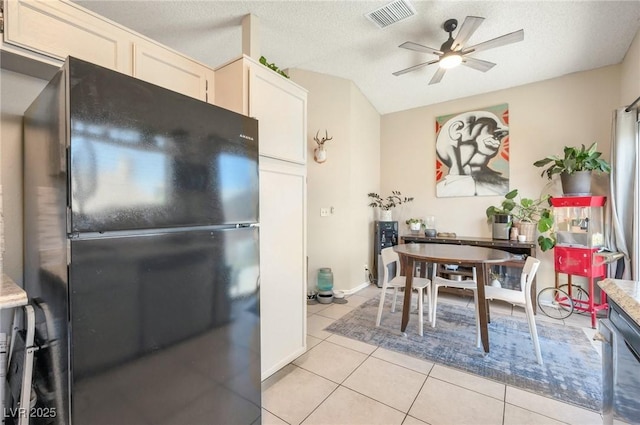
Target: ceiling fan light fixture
(450, 60)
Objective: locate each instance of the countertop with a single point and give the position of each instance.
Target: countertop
(11, 295)
(625, 293)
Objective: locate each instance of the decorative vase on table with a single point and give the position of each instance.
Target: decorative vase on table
(385, 215)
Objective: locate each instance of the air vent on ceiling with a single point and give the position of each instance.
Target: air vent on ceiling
(391, 13)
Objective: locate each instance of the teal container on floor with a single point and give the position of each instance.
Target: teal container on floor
(325, 279)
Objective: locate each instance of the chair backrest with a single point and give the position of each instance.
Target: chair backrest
(526, 278)
(389, 256)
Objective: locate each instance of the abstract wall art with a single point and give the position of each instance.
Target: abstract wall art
(472, 152)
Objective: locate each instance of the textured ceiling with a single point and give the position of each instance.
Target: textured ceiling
(333, 37)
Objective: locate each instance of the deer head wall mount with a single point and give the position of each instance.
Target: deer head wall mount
(319, 153)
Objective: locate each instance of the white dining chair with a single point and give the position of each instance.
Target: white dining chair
(438, 282)
(521, 297)
(422, 285)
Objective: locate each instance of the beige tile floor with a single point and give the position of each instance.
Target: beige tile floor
(344, 381)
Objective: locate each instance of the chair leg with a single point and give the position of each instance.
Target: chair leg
(395, 297)
(430, 301)
(381, 305)
(534, 332)
(434, 307)
(420, 311)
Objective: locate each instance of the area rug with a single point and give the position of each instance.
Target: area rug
(571, 372)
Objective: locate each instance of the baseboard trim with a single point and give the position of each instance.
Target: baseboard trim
(356, 289)
(282, 363)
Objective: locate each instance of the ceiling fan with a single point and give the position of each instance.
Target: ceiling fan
(453, 52)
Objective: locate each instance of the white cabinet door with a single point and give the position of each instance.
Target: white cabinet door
(283, 276)
(280, 107)
(59, 29)
(165, 68)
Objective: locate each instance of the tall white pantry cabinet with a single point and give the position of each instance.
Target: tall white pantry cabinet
(248, 87)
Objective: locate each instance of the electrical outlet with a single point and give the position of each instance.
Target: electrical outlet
(324, 212)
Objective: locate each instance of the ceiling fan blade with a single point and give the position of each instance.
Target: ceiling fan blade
(420, 48)
(469, 26)
(437, 76)
(512, 37)
(478, 64)
(413, 68)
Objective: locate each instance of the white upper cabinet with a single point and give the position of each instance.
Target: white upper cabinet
(59, 29)
(279, 105)
(168, 69)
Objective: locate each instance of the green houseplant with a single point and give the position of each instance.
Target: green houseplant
(389, 202)
(526, 211)
(415, 223)
(575, 167)
(385, 204)
(272, 66)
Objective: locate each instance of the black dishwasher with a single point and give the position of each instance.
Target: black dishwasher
(620, 366)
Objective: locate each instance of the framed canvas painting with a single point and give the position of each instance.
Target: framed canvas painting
(472, 152)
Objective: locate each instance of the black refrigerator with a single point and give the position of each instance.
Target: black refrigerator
(141, 254)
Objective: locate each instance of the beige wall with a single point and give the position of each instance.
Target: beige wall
(340, 241)
(18, 91)
(544, 116)
(630, 73)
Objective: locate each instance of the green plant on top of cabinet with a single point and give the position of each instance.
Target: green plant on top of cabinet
(249, 88)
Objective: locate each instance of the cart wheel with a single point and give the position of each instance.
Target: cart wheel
(555, 303)
(579, 296)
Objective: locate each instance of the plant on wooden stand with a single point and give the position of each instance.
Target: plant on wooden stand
(527, 211)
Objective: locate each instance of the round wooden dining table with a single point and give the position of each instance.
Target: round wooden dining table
(463, 255)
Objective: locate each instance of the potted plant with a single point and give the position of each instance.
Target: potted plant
(575, 168)
(415, 224)
(385, 204)
(495, 279)
(530, 215)
(500, 217)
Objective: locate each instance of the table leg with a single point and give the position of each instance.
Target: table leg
(482, 306)
(408, 268)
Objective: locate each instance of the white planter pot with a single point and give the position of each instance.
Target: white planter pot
(385, 215)
(415, 226)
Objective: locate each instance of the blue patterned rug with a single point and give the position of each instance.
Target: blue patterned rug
(571, 370)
